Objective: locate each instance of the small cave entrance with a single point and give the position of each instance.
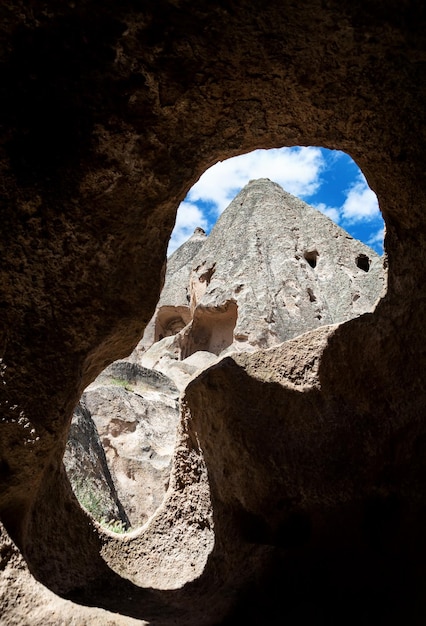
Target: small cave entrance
(311, 256)
(363, 262)
(212, 330)
(170, 320)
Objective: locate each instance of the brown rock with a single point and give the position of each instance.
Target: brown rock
(109, 114)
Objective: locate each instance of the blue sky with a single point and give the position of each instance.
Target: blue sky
(328, 180)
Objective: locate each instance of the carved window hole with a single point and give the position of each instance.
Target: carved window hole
(311, 256)
(363, 262)
(170, 320)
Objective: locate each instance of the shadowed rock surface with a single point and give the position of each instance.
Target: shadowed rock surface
(88, 471)
(109, 114)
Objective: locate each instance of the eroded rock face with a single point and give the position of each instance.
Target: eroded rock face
(293, 270)
(272, 268)
(121, 441)
(173, 312)
(88, 471)
(109, 115)
(287, 267)
(136, 414)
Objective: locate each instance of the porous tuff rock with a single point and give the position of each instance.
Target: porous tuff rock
(136, 414)
(174, 295)
(272, 268)
(109, 115)
(293, 270)
(87, 468)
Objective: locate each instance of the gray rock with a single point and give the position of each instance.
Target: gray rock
(122, 473)
(88, 471)
(272, 268)
(137, 428)
(172, 312)
(138, 377)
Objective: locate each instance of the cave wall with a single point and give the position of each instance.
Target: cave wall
(109, 113)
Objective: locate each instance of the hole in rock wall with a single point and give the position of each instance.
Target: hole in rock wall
(212, 331)
(311, 256)
(170, 320)
(363, 262)
(240, 285)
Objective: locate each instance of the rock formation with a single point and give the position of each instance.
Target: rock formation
(136, 414)
(272, 268)
(88, 470)
(300, 471)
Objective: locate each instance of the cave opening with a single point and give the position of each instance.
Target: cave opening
(321, 426)
(363, 262)
(183, 330)
(329, 180)
(311, 257)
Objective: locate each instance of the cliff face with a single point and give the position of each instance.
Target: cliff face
(272, 268)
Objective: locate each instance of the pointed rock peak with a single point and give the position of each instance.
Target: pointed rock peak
(187, 250)
(259, 189)
(254, 181)
(199, 233)
(262, 181)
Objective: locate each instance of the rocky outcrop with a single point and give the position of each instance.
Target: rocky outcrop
(88, 471)
(110, 112)
(293, 270)
(136, 414)
(272, 268)
(172, 310)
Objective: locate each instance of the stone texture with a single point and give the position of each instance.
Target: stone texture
(88, 471)
(174, 297)
(109, 114)
(272, 268)
(25, 601)
(293, 270)
(136, 415)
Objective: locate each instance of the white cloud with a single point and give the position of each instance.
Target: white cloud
(331, 212)
(188, 217)
(361, 203)
(296, 169)
(377, 237)
(359, 206)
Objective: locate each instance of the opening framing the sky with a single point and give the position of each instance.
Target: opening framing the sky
(328, 180)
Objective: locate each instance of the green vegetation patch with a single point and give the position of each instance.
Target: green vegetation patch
(94, 503)
(121, 383)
